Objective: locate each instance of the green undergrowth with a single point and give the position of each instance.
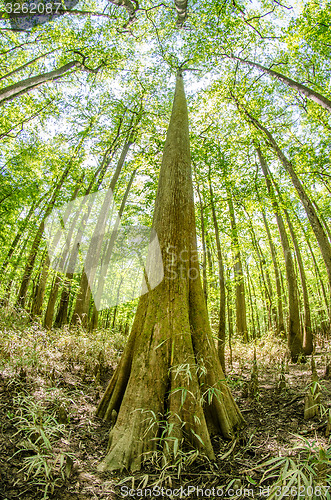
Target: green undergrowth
(55, 381)
(26, 345)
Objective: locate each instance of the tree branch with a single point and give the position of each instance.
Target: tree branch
(19, 88)
(310, 93)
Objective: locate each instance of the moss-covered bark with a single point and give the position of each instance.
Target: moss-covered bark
(170, 364)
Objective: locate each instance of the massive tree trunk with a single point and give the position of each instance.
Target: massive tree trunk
(294, 330)
(170, 364)
(238, 273)
(310, 93)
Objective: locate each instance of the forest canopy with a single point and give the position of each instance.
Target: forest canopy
(257, 73)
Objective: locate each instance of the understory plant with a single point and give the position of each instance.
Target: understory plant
(45, 465)
(304, 476)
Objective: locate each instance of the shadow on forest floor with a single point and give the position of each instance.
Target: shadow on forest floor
(51, 441)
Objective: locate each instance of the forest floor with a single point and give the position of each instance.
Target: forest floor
(51, 441)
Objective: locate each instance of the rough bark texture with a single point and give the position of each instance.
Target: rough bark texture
(170, 360)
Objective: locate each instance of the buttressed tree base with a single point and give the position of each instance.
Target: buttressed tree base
(169, 389)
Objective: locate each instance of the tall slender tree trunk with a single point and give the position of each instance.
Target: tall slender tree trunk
(203, 240)
(24, 86)
(181, 8)
(16, 240)
(256, 309)
(308, 335)
(61, 317)
(108, 251)
(37, 304)
(325, 224)
(317, 271)
(170, 360)
(280, 315)
(35, 245)
(294, 330)
(313, 218)
(25, 65)
(265, 278)
(238, 273)
(41, 286)
(80, 314)
(307, 328)
(10, 280)
(250, 300)
(221, 282)
(229, 309)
